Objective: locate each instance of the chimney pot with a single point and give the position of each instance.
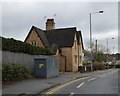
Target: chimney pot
(50, 24)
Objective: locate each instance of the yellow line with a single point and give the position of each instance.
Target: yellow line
(61, 86)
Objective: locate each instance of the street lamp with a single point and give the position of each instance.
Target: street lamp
(113, 46)
(113, 54)
(91, 36)
(107, 50)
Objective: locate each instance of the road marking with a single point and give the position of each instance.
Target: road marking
(71, 94)
(80, 85)
(101, 76)
(112, 72)
(91, 79)
(74, 78)
(62, 86)
(106, 74)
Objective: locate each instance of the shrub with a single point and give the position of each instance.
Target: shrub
(99, 66)
(117, 66)
(22, 47)
(111, 66)
(82, 68)
(14, 72)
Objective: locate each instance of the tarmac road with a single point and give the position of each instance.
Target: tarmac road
(106, 83)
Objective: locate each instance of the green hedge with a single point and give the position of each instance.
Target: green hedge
(14, 72)
(22, 47)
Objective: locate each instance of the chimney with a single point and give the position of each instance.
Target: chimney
(50, 24)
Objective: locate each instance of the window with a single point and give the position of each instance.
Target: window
(34, 43)
(75, 44)
(75, 57)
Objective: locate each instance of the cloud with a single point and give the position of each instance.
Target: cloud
(102, 36)
(19, 17)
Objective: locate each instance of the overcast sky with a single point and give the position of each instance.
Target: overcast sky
(18, 17)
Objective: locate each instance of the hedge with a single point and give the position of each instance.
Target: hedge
(22, 47)
(14, 72)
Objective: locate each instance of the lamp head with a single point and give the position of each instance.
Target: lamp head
(113, 38)
(100, 11)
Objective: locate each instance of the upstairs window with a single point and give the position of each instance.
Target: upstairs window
(34, 43)
(75, 57)
(75, 44)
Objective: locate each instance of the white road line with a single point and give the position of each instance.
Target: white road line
(103, 76)
(74, 78)
(71, 94)
(80, 85)
(91, 79)
(112, 72)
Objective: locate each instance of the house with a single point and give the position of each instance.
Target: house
(67, 44)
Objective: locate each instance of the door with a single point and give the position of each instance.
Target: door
(40, 67)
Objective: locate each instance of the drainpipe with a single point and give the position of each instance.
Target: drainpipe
(65, 61)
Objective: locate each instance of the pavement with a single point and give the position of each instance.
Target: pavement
(37, 85)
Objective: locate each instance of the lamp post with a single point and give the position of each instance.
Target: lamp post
(107, 50)
(96, 45)
(91, 36)
(113, 54)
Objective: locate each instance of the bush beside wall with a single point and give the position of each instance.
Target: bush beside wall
(99, 66)
(111, 66)
(96, 66)
(14, 72)
(117, 66)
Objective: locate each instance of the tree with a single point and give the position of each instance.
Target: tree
(99, 55)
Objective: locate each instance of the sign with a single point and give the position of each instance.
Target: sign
(41, 65)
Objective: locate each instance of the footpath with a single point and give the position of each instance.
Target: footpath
(37, 85)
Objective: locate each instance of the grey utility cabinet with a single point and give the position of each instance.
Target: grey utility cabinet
(46, 67)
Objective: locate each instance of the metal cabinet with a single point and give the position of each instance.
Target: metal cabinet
(46, 67)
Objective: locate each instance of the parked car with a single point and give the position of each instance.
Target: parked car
(109, 63)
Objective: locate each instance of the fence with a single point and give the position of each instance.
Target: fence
(20, 58)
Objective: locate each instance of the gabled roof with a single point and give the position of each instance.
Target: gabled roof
(79, 35)
(63, 37)
(41, 34)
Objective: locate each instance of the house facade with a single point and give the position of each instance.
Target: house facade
(67, 44)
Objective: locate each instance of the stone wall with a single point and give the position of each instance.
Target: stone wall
(75, 55)
(62, 61)
(69, 58)
(67, 52)
(33, 37)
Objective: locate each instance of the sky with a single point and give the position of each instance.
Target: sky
(18, 17)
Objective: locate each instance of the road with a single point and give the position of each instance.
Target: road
(106, 83)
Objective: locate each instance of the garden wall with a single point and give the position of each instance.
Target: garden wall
(20, 58)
